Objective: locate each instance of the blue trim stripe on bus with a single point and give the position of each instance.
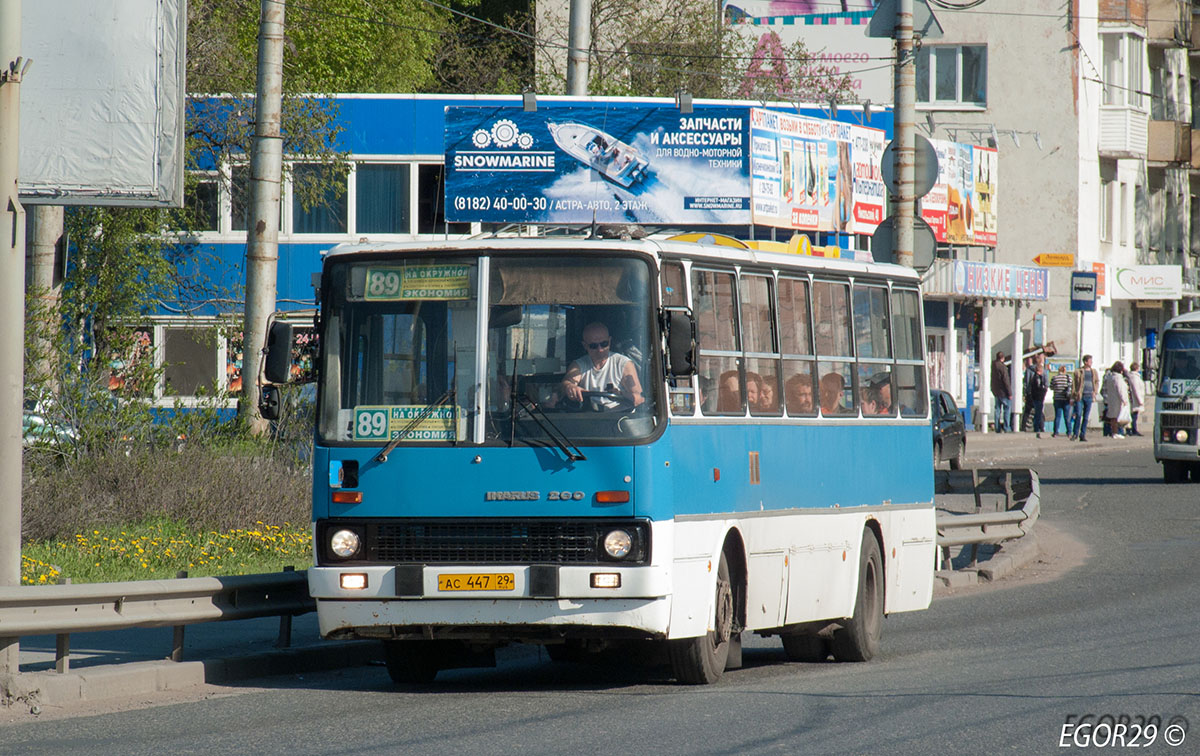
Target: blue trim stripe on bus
(815, 466)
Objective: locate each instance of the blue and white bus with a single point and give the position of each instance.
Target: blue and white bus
(1177, 403)
(773, 475)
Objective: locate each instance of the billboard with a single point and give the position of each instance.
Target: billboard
(102, 107)
(810, 174)
(834, 35)
(588, 164)
(961, 206)
(1148, 282)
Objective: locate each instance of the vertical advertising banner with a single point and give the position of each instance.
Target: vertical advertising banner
(986, 162)
(805, 174)
(597, 164)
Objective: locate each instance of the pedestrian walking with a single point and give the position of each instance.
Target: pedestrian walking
(1116, 400)
(1060, 386)
(1038, 386)
(1137, 396)
(1001, 393)
(1085, 384)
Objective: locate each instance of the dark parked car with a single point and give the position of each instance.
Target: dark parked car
(949, 432)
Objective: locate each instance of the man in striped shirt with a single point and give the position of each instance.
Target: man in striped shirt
(1060, 386)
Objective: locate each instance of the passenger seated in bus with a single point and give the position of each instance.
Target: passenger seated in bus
(602, 370)
(832, 387)
(798, 391)
(759, 394)
(729, 392)
(877, 396)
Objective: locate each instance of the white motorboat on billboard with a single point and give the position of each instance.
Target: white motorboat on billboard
(620, 163)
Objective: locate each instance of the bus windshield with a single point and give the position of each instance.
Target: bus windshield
(402, 334)
(1180, 364)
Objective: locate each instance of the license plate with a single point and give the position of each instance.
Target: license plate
(495, 581)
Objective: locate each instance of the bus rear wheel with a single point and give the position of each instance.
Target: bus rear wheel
(702, 660)
(413, 662)
(858, 639)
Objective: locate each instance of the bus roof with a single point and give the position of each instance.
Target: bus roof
(659, 248)
(1189, 320)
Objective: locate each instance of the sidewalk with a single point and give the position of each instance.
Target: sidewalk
(990, 448)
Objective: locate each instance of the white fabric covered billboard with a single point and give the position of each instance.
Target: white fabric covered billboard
(102, 106)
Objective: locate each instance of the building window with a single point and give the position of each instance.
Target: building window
(382, 198)
(189, 360)
(240, 199)
(328, 213)
(431, 209)
(1106, 210)
(952, 74)
(1123, 56)
(203, 199)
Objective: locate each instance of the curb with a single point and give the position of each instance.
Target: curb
(146, 677)
(1011, 556)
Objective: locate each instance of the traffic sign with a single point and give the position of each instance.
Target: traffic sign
(1083, 291)
(925, 166)
(924, 243)
(1055, 259)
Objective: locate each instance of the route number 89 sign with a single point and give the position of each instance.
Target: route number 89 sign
(413, 282)
(382, 423)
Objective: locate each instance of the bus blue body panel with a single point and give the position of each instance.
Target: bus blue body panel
(448, 482)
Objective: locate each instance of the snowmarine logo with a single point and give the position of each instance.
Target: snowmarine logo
(503, 134)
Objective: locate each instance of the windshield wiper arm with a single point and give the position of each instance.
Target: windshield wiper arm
(382, 456)
(546, 424)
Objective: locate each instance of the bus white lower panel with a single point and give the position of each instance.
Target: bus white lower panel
(801, 565)
(650, 616)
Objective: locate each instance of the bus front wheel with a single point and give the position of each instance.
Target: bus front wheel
(412, 662)
(858, 639)
(702, 660)
(1174, 471)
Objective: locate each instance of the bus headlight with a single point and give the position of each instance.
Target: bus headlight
(618, 544)
(1181, 436)
(345, 543)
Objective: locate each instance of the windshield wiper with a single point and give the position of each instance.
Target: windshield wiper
(382, 456)
(546, 424)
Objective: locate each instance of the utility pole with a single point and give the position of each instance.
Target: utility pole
(12, 315)
(905, 115)
(579, 46)
(266, 171)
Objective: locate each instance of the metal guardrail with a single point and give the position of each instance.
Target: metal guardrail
(64, 609)
(1013, 496)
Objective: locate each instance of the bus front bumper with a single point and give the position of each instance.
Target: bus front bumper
(463, 601)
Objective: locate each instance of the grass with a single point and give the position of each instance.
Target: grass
(160, 548)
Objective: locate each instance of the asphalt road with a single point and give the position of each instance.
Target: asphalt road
(1002, 668)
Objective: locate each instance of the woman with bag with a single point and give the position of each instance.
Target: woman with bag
(1116, 394)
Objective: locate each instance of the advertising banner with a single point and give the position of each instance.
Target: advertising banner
(597, 164)
(961, 206)
(999, 281)
(810, 174)
(1148, 282)
(834, 35)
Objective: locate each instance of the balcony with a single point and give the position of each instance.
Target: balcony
(1123, 131)
(1169, 142)
(1168, 23)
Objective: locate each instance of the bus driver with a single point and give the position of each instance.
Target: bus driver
(601, 370)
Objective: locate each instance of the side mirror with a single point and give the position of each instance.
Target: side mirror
(277, 366)
(268, 402)
(680, 329)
